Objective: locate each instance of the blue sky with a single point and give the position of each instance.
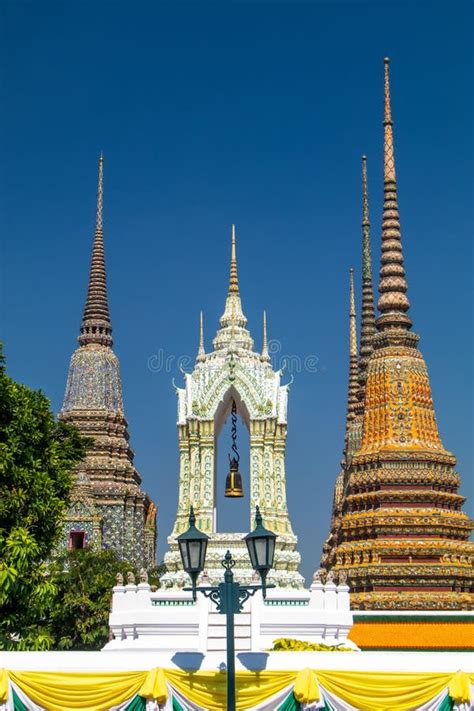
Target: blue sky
(245, 112)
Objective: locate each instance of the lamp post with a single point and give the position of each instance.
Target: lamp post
(229, 596)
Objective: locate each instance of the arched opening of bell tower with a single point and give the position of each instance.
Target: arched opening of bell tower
(231, 503)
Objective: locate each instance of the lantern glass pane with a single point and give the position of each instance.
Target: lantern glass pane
(261, 552)
(194, 554)
(251, 550)
(271, 551)
(183, 547)
(202, 562)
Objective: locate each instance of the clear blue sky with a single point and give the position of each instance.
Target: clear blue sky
(253, 113)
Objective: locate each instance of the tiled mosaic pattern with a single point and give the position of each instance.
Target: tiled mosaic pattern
(94, 380)
(109, 504)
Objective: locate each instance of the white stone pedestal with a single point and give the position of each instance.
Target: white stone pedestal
(170, 620)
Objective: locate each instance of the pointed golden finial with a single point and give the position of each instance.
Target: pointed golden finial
(201, 356)
(393, 302)
(233, 333)
(265, 357)
(233, 281)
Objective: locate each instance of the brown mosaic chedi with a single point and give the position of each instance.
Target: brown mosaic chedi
(398, 530)
(108, 509)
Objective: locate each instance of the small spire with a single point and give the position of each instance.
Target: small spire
(233, 280)
(393, 302)
(265, 357)
(201, 356)
(353, 365)
(367, 323)
(96, 326)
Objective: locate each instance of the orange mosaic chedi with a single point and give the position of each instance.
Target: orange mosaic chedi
(398, 530)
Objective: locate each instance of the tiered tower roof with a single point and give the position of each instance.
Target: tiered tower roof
(402, 537)
(93, 403)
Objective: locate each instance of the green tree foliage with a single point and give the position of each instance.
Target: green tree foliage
(47, 600)
(84, 581)
(37, 454)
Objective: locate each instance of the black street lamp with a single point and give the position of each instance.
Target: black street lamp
(229, 597)
(192, 546)
(261, 548)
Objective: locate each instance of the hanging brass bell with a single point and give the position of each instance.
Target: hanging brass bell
(233, 482)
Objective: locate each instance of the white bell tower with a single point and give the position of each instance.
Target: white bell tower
(233, 371)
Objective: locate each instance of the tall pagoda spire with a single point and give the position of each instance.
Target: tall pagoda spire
(265, 355)
(109, 507)
(233, 333)
(350, 439)
(96, 326)
(393, 302)
(353, 365)
(400, 533)
(201, 356)
(367, 322)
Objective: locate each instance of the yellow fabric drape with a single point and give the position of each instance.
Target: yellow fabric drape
(373, 691)
(459, 688)
(154, 686)
(3, 686)
(90, 691)
(209, 689)
(306, 687)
